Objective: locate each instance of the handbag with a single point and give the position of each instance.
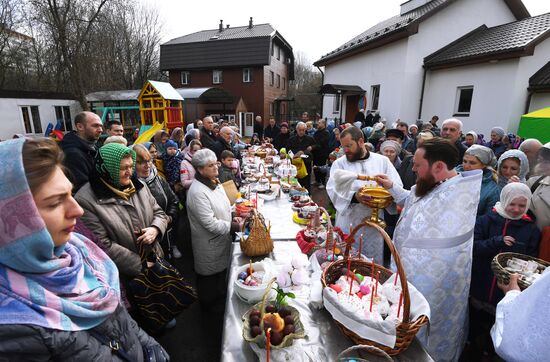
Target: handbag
(154, 353)
(159, 292)
(300, 166)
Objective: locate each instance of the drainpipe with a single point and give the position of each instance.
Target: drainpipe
(341, 105)
(422, 94)
(322, 83)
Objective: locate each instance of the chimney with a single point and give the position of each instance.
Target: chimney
(250, 23)
(221, 25)
(227, 26)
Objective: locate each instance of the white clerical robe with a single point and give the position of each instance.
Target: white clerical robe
(522, 326)
(434, 238)
(348, 213)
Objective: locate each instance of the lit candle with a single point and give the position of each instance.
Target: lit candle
(268, 334)
(360, 245)
(371, 298)
(400, 302)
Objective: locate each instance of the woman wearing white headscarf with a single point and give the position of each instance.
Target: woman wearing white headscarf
(505, 229)
(513, 166)
(482, 158)
(540, 186)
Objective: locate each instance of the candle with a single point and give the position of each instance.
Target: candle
(352, 277)
(334, 250)
(250, 270)
(349, 275)
(371, 298)
(268, 334)
(400, 302)
(376, 288)
(372, 270)
(326, 244)
(395, 281)
(360, 245)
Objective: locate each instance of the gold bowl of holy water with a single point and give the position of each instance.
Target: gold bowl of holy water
(380, 199)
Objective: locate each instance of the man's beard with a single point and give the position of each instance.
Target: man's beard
(355, 156)
(425, 185)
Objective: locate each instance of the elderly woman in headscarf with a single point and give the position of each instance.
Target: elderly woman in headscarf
(58, 290)
(496, 143)
(211, 222)
(482, 158)
(507, 228)
(177, 136)
(192, 134)
(147, 173)
(470, 139)
(513, 166)
(120, 210)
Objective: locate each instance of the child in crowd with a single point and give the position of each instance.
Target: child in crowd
(172, 162)
(325, 170)
(227, 169)
(255, 140)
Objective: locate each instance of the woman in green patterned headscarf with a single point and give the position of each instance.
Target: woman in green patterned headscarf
(120, 210)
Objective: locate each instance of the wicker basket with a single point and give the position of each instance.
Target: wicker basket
(503, 276)
(261, 339)
(407, 329)
(309, 247)
(364, 349)
(259, 241)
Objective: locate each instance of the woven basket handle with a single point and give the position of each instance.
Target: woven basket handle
(330, 237)
(364, 347)
(400, 269)
(264, 297)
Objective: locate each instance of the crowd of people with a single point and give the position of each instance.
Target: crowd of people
(459, 201)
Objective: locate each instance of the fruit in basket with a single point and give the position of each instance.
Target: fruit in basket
(284, 312)
(255, 331)
(254, 320)
(255, 312)
(289, 320)
(276, 338)
(270, 308)
(274, 319)
(289, 328)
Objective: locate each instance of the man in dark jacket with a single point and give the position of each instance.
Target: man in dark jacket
(224, 142)
(360, 117)
(208, 138)
(320, 150)
(80, 147)
(302, 145)
(259, 127)
(281, 141)
(451, 129)
(271, 131)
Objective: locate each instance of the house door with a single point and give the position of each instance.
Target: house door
(246, 123)
(352, 106)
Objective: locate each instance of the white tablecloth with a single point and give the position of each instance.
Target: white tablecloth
(279, 213)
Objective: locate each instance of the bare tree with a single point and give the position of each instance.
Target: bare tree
(306, 85)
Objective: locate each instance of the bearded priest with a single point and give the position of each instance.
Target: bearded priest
(434, 238)
(349, 204)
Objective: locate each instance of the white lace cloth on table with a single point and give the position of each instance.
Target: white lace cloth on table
(383, 332)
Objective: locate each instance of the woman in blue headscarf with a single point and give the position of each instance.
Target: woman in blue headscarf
(59, 292)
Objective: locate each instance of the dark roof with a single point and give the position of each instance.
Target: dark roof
(541, 79)
(13, 93)
(231, 47)
(398, 27)
(505, 41)
(240, 32)
(334, 88)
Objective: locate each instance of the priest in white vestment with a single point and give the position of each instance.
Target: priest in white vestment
(348, 204)
(434, 238)
(522, 326)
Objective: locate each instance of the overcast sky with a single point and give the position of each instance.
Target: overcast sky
(311, 27)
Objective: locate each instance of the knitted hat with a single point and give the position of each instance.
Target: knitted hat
(107, 162)
(498, 130)
(284, 124)
(170, 143)
(395, 133)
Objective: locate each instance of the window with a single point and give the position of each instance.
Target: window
(272, 49)
(284, 83)
(336, 105)
(375, 92)
(247, 75)
(278, 81)
(270, 109)
(185, 77)
(217, 76)
(271, 78)
(278, 53)
(31, 119)
(63, 117)
(463, 101)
